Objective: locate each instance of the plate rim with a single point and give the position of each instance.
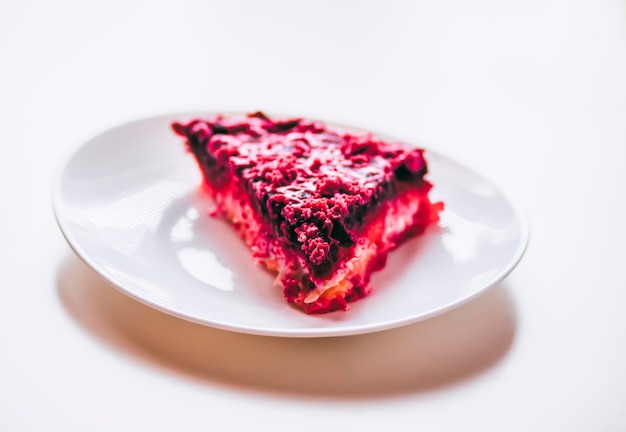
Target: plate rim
(310, 332)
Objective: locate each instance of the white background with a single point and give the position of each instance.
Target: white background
(532, 94)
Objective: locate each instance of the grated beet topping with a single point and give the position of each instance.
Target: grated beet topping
(314, 185)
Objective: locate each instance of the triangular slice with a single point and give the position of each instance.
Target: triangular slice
(321, 207)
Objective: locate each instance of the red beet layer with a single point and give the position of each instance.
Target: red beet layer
(317, 189)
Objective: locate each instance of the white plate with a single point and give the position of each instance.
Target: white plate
(129, 203)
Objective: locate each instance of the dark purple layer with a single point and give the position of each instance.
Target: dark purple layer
(315, 186)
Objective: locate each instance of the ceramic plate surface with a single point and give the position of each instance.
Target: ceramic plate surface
(130, 204)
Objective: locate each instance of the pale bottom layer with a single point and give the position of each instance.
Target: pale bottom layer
(405, 216)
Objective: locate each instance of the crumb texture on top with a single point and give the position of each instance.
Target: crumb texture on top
(314, 184)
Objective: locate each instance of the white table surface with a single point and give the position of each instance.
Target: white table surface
(532, 94)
